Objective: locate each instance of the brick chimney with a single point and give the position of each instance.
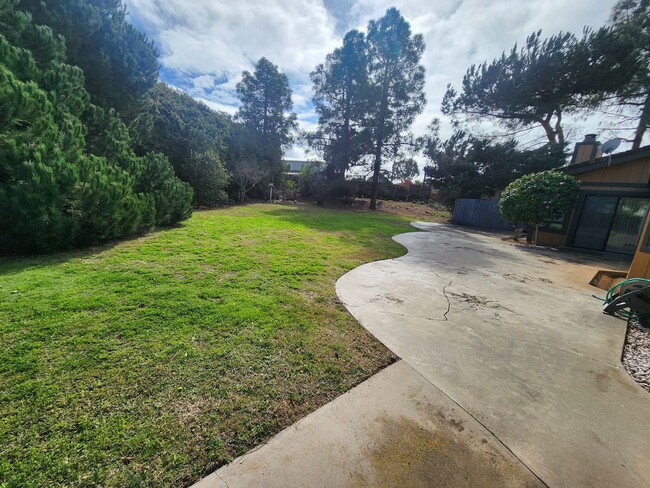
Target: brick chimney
(587, 150)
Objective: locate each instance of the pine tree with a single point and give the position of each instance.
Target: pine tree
(630, 22)
(192, 135)
(540, 83)
(341, 99)
(119, 62)
(265, 111)
(64, 182)
(396, 85)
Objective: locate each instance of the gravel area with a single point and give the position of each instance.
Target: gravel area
(636, 354)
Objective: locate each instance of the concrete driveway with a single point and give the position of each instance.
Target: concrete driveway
(516, 339)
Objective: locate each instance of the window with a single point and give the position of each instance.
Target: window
(628, 224)
(556, 224)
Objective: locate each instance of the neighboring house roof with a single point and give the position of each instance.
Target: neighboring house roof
(605, 161)
(296, 165)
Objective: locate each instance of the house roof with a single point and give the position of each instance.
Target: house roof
(301, 161)
(619, 158)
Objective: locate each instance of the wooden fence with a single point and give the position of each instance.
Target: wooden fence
(479, 213)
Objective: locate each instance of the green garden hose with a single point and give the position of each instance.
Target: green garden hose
(614, 292)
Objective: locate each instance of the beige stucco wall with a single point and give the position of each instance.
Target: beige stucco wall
(640, 267)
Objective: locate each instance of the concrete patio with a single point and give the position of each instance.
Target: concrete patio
(516, 338)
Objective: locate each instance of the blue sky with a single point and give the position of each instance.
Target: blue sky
(206, 44)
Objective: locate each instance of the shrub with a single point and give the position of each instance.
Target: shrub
(68, 173)
(537, 197)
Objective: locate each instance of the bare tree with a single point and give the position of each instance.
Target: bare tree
(246, 174)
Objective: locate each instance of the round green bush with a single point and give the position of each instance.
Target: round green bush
(537, 197)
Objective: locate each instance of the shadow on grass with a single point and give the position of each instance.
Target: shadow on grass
(364, 226)
(339, 219)
(18, 263)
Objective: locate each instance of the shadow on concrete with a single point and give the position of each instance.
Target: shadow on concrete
(568, 255)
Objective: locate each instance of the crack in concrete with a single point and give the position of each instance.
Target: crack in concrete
(444, 292)
(224, 481)
(495, 278)
(431, 319)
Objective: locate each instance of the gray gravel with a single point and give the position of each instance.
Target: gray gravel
(636, 354)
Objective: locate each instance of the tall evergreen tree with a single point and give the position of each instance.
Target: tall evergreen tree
(630, 22)
(119, 63)
(396, 85)
(341, 91)
(465, 166)
(191, 135)
(266, 110)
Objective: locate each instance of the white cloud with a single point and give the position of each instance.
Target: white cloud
(222, 107)
(226, 37)
(206, 44)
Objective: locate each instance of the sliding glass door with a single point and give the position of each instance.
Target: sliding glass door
(627, 225)
(595, 219)
(611, 223)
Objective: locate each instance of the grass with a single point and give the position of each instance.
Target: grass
(153, 361)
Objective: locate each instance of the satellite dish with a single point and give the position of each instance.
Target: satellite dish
(610, 146)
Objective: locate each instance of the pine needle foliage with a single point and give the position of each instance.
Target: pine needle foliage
(68, 174)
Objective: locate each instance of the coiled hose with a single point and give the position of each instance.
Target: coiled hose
(614, 292)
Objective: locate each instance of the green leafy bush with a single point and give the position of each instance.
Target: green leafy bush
(537, 197)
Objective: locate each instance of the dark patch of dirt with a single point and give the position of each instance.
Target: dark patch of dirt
(386, 299)
(605, 279)
(471, 299)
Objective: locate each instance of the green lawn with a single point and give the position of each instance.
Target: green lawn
(156, 360)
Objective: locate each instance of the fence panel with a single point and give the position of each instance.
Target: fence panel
(479, 213)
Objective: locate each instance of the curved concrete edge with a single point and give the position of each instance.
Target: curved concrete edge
(464, 310)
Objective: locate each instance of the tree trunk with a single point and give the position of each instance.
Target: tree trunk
(342, 162)
(550, 133)
(644, 121)
(558, 128)
(380, 140)
(375, 175)
(242, 191)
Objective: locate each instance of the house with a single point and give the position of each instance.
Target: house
(613, 203)
(407, 184)
(296, 166)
